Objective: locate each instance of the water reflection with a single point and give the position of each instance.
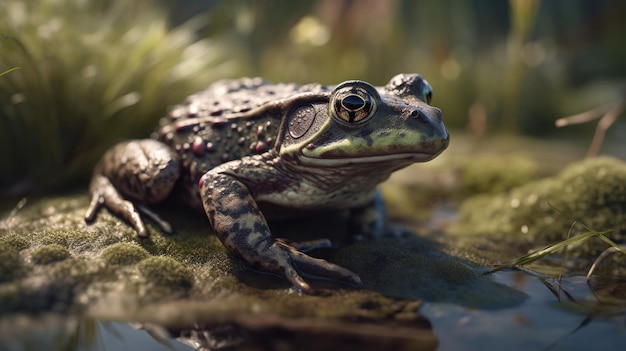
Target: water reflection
(79, 334)
(542, 322)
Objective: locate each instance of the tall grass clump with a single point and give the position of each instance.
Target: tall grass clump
(91, 72)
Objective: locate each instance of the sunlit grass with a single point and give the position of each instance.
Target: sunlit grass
(592, 310)
(91, 73)
(8, 71)
(558, 247)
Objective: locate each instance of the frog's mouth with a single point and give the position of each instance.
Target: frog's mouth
(346, 153)
(394, 158)
(378, 147)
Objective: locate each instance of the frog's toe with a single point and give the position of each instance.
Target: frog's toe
(105, 195)
(325, 269)
(94, 206)
(292, 264)
(166, 227)
(306, 246)
(294, 278)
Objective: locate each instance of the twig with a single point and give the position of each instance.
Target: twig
(607, 114)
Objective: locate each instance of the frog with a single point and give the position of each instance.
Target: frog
(243, 150)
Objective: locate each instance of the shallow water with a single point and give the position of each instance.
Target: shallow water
(541, 322)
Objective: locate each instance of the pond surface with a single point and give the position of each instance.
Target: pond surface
(541, 322)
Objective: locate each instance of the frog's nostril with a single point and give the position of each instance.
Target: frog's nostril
(415, 113)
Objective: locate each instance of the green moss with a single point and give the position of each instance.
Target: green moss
(49, 254)
(114, 274)
(15, 241)
(165, 272)
(62, 287)
(496, 174)
(189, 248)
(591, 191)
(66, 237)
(11, 264)
(124, 254)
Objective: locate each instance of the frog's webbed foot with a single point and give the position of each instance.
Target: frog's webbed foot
(143, 170)
(290, 263)
(104, 194)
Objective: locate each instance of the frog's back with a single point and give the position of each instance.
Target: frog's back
(224, 123)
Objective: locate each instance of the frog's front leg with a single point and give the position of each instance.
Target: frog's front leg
(130, 175)
(369, 221)
(242, 228)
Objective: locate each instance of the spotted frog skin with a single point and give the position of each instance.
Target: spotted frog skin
(241, 146)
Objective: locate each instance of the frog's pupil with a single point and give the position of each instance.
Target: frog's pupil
(353, 102)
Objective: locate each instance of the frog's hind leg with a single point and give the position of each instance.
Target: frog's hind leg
(130, 175)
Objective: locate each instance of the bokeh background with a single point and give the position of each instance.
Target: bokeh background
(80, 75)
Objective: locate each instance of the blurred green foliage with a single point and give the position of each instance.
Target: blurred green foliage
(95, 72)
(513, 65)
(91, 73)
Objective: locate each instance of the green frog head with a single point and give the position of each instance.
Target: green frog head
(359, 124)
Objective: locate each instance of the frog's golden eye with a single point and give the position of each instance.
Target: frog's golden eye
(354, 101)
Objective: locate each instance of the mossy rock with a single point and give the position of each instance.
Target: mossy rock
(124, 254)
(165, 272)
(51, 261)
(48, 254)
(496, 174)
(15, 241)
(11, 264)
(591, 192)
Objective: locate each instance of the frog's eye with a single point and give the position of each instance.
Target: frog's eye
(427, 92)
(353, 102)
